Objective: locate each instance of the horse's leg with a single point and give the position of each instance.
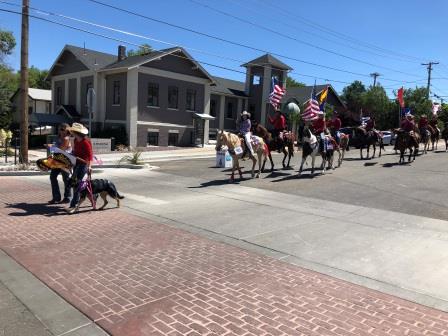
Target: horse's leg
(272, 162)
(285, 153)
(360, 151)
(313, 159)
(234, 164)
(254, 162)
(264, 163)
(260, 157)
(301, 164)
(374, 150)
(324, 161)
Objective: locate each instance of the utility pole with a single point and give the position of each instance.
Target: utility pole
(24, 83)
(429, 64)
(374, 75)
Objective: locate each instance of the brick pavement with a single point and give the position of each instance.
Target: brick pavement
(136, 277)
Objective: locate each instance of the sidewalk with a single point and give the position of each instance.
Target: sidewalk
(147, 156)
(136, 277)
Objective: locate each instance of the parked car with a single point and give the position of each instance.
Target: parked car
(387, 137)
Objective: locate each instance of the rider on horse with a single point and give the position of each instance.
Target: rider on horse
(433, 123)
(335, 125)
(319, 128)
(279, 123)
(423, 125)
(245, 130)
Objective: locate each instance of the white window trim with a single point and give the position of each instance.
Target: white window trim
(155, 107)
(172, 109)
(193, 111)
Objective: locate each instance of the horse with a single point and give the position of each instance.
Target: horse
(235, 146)
(311, 148)
(435, 136)
(284, 144)
(343, 145)
(408, 141)
(367, 139)
(425, 136)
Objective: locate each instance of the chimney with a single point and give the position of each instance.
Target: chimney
(121, 52)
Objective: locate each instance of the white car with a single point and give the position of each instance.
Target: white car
(387, 137)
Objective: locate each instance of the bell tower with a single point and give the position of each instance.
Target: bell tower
(259, 74)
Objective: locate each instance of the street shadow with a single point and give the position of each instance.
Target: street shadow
(439, 151)
(216, 183)
(31, 209)
(355, 159)
(276, 174)
(370, 164)
(393, 164)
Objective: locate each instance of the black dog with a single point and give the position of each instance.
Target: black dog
(101, 188)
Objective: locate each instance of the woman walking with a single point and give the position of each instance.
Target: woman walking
(82, 150)
(63, 143)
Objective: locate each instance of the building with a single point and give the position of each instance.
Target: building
(161, 98)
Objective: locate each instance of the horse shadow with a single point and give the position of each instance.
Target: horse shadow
(275, 174)
(31, 209)
(393, 164)
(217, 183)
(370, 164)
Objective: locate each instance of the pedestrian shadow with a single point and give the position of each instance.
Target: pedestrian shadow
(32, 209)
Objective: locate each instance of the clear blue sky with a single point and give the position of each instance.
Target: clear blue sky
(413, 27)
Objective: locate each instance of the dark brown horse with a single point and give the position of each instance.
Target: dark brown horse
(367, 139)
(285, 144)
(406, 141)
(445, 136)
(435, 136)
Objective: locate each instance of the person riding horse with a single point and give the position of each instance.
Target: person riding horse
(245, 131)
(279, 123)
(335, 125)
(423, 126)
(319, 128)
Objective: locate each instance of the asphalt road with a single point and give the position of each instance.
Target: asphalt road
(418, 188)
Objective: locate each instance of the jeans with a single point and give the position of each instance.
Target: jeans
(55, 185)
(79, 172)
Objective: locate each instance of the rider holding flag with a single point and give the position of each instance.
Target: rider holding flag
(335, 125)
(319, 128)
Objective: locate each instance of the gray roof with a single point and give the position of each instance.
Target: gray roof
(91, 58)
(302, 94)
(268, 59)
(228, 87)
(131, 61)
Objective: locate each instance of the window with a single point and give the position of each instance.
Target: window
(173, 97)
(153, 138)
(252, 108)
(116, 92)
(229, 112)
(153, 95)
(173, 139)
(88, 86)
(59, 95)
(191, 100)
(213, 108)
(256, 80)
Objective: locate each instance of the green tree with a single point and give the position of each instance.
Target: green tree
(9, 82)
(7, 44)
(291, 82)
(37, 78)
(416, 100)
(142, 50)
(352, 95)
(376, 103)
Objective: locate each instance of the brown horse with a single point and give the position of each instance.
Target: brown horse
(367, 139)
(435, 136)
(343, 145)
(285, 145)
(445, 136)
(235, 146)
(407, 141)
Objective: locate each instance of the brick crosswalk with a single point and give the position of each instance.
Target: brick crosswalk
(135, 277)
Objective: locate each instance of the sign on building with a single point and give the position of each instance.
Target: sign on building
(101, 145)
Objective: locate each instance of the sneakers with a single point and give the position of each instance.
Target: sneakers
(70, 210)
(65, 200)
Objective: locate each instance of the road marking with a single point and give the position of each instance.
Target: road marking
(145, 199)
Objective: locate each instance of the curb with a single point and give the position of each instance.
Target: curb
(33, 173)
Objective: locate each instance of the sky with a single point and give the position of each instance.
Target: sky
(358, 37)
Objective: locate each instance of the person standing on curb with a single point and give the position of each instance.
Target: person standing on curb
(63, 143)
(82, 150)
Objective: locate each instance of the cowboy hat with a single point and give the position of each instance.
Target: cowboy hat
(245, 113)
(78, 128)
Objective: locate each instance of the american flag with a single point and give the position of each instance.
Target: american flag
(312, 108)
(276, 95)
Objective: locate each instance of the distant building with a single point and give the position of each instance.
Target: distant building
(161, 98)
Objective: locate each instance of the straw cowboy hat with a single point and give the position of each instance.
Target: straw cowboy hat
(245, 113)
(78, 128)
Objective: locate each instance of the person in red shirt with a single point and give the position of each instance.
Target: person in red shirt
(408, 124)
(279, 123)
(335, 125)
(82, 150)
(319, 128)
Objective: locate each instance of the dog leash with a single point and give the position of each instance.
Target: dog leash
(90, 191)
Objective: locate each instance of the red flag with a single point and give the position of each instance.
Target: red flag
(400, 97)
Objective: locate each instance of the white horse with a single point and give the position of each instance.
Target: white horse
(311, 148)
(236, 149)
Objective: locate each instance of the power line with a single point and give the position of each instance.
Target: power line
(152, 39)
(338, 34)
(226, 40)
(296, 39)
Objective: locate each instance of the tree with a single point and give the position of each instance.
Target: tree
(9, 82)
(7, 44)
(352, 96)
(376, 103)
(37, 78)
(416, 100)
(142, 50)
(291, 82)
